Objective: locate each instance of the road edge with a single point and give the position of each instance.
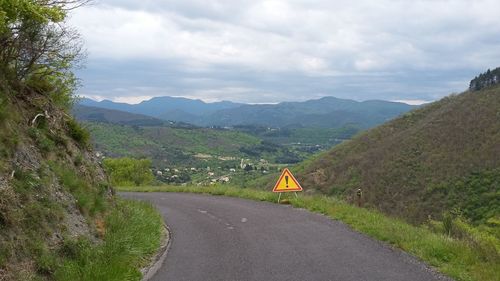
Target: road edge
(157, 261)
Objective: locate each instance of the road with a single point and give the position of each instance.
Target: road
(220, 238)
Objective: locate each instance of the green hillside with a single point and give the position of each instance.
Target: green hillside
(303, 139)
(195, 155)
(441, 157)
(309, 139)
(89, 113)
(171, 146)
(59, 217)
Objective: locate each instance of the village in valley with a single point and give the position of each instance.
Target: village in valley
(210, 170)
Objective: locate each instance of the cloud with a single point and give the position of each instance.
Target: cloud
(288, 49)
(413, 102)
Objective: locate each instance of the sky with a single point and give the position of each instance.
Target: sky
(272, 51)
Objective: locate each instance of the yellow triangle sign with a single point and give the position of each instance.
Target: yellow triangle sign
(287, 183)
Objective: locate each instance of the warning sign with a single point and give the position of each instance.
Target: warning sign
(287, 183)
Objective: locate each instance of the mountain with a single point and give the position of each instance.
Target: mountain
(327, 112)
(96, 114)
(443, 157)
(167, 108)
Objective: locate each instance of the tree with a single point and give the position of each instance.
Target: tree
(37, 49)
(248, 168)
(129, 171)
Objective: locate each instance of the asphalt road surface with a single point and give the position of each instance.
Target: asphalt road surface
(221, 238)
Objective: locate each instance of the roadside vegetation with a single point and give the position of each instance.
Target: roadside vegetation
(59, 219)
(133, 234)
(128, 171)
(454, 247)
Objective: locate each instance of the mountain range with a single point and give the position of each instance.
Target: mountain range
(327, 112)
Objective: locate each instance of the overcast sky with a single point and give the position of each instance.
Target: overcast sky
(271, 51)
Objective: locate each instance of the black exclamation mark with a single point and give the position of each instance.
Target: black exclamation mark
(286, 180)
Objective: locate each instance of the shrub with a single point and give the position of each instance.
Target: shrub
(484, 243)
(129, 171)
(44, 144)
(3, 109)
(78, 133)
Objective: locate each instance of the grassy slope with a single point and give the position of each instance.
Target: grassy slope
(473, 257)
(134, 231)
(439, 157)
(58, 220)
(176, 145)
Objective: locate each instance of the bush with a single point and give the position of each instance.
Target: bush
(484, 243)
(129, 171)
(78, 133)
(3, 109)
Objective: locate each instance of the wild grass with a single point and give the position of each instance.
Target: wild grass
(90, 199)
(458, 258)
(133, 235)
(78, 133)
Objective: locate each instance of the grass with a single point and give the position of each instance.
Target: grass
(90, 199)
(133, 234)
(130, 231)
(458, 258)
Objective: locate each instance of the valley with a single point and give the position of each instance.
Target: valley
(426, 165)
(254, 140)
(237, 152)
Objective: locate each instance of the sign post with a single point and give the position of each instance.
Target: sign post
(287, 183)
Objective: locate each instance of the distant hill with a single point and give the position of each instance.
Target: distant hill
(166, 108)
(177, 147)
(328, 112)
(442, 157)
(90, 113)
(166, 146)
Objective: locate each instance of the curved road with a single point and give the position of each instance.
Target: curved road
(221, 238)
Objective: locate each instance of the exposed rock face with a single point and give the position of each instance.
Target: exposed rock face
(52, 188)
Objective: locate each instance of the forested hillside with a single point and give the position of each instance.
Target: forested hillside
(167, 146)
(443, 157)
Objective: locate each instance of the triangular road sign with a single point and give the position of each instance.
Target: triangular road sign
(287, 183)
